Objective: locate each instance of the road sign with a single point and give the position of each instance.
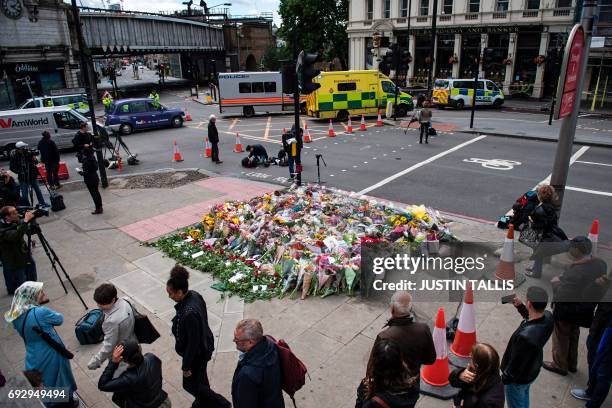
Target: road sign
(570, 73)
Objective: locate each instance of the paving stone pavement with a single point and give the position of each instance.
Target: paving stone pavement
(333, 336)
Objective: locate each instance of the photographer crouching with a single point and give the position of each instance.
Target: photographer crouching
(17, 263)
(23, 163)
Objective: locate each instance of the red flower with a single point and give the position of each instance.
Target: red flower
(272, 286)
(222, 251)
(255, 274)
(276, 275)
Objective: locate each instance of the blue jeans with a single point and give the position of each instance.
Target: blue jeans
(25, 193)
(600, 378)
(291, 161)
(14, 277)
(517, 395)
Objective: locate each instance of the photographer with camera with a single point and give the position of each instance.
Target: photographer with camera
(82, 140)
(50, 157)
(23, 163)
(17, 263)
(9, 189)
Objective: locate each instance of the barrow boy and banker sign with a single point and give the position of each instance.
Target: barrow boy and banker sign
(570, 73)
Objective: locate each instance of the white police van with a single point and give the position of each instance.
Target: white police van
(27, 125)
(77, 102)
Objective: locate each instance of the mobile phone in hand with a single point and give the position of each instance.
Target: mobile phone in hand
(508, 299)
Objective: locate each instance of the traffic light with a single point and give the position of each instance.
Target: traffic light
(393, 55)
(289, 79)
(306, 71)
(405, 59)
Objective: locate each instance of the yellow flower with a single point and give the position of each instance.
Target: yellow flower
(397, 223)
(236, 220)
(195, 234)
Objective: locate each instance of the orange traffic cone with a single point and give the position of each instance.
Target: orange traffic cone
(238, 147)
(330, 132)
(594, 236)
(188, 117)
(208, 152)
(379, 119)
(434, 377)
(349, 128)
(505, 267)
(362, 126)
(465, 337)
(119, 164)
(307, 138)
(178, 157)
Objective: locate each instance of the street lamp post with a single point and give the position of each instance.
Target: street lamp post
(434, 15)
(87, 83)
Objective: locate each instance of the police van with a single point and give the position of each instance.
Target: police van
(359, 92)
(27, 126)
(458, 93)
(77, 102)
(248, 93)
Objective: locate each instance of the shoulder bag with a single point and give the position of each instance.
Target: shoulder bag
(55, 345)
(143, 328)
(530, 236)
(379, 401)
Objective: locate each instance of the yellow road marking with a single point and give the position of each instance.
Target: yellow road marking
(268, 127)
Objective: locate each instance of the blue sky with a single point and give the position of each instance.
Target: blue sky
(238, 6)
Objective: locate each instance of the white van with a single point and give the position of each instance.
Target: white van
(248, 93)
(77, 102)
(27, 126)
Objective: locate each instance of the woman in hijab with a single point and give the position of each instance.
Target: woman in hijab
(28, 316)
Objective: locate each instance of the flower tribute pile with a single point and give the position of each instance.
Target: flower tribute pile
(297, 243)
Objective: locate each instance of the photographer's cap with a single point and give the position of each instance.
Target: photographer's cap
(20, 145)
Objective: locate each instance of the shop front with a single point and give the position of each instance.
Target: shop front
(17, 79)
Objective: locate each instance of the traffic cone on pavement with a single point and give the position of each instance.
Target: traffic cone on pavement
(208, 152)
(238, 147)
(594, 236)
(307, 138)
(379, 119)
(505, 267)
(465, 337)
(119, 164)
(349, 128)
(330, 132)
(434, 377)
(362, 126)
(178, 157)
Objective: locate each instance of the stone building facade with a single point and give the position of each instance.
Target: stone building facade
(35, 43)
(527, 38)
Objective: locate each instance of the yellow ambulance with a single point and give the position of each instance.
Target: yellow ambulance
(344, 93)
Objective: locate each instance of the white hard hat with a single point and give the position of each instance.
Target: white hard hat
(19, 145)
(212, 117)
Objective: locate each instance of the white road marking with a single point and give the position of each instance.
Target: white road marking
(245, 136)
(495, 164)
(420, 164)
(594, 163)
(584, 190)
(268, 127)
(233, 123)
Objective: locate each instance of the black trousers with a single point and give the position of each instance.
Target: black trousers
(424, 129)
(199, 386)
(52, 173)
(95, 194)
(215, 152)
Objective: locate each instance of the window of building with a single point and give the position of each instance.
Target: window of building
(270, 87)
(564, 3)
(404, 8)
(604, 12)
(244, 87)
(347, 86)
(533, 4)
(424, 8)
(257, 87)
(369, 9)
(386, 8)
(502, 5)
(447, 7)
(473, 6)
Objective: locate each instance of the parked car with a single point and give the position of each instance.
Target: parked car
(128, 115)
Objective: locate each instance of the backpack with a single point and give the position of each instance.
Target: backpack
(293, 371)
(57, 201)
(88, 329)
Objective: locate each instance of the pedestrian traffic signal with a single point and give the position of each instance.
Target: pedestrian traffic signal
(306, 71)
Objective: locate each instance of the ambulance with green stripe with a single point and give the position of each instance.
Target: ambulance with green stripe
(458, 93)
(355, 93)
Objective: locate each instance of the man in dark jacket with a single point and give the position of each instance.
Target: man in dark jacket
(91, 179)
(574, 304)
(213, 138)
(9, 189)
(259, 153)
(414, 339)
(140, 386)
(292, 143)
(82, 140)
(524, 354)
(23, 163)
(257, 379)
(50, 157)
(17, 263)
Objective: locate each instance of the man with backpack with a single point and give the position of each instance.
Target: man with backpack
(257, 381)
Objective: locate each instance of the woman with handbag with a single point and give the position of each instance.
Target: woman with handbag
(45, 350)
(543, 230)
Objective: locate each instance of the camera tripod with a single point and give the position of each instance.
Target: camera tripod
(115, 148)
(319, 158)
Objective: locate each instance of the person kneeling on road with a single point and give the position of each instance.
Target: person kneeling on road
(259, 153)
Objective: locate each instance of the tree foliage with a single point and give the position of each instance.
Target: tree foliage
(273, 56)
(316, 26)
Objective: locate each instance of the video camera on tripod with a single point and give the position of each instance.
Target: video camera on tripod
(37, 211)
